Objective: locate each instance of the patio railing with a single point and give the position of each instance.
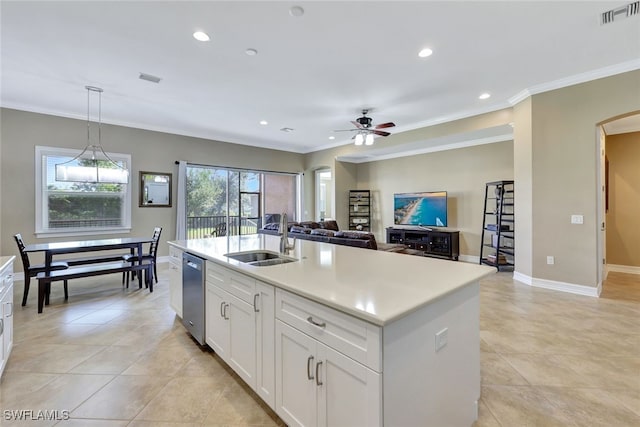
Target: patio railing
(199, 227)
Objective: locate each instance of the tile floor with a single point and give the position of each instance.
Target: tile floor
(115, 357)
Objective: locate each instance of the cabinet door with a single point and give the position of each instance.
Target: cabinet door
(349, 394)
(264, 304)
(175, 287)
(295, 376)
(216, 320)
(241, 353)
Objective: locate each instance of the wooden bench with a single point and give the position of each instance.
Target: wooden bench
(45, 279)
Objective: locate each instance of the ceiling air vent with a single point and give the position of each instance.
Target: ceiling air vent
(619, 13)
(149, 78)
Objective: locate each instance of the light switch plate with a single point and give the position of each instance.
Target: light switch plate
(441, 338)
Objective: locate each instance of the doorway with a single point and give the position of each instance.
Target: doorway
(618, 143)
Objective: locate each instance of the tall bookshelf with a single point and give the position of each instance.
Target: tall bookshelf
(498, 226)
(360, 210)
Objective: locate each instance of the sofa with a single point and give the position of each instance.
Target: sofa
(324, 231)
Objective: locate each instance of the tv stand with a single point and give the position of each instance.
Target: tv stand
(431, 242)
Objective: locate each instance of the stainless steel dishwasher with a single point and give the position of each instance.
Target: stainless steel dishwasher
(193, 295)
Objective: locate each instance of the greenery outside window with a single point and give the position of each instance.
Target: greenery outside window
(78, 208)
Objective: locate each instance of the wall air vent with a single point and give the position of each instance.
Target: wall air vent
(619, 13)
(149, 78)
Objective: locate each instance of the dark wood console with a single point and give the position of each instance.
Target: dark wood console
(433, 243)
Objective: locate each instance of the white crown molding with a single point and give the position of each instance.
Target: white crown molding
(630, 269)
(354, 158)
(576, 79)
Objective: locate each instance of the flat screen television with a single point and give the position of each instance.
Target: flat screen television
(425, 209)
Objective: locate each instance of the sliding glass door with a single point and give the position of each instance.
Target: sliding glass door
(232, 202)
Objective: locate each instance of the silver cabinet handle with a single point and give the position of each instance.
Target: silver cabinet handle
(11, 305)
(318, 382)
(1, 326)
(222, 309)
(313, 322)
(255, 303)
(309, 362)
(225, 312)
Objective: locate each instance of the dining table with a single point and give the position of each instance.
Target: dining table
(134, 244)
(51, 249)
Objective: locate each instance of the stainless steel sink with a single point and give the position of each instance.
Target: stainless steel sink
(260, 258)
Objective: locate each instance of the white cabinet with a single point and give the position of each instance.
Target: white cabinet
(175, 280)
(240, 326)
(6, 310)
(317, 385)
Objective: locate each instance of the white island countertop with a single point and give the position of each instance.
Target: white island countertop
(376, 286)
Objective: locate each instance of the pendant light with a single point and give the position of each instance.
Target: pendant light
(369, 139)
(93, 164)
(359, 139)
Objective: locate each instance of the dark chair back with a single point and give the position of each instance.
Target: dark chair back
(153, 249)
(25, 258)
(220, 230)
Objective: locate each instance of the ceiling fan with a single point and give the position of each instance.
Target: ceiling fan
(365, 130)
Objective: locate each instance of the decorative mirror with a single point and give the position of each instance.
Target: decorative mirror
(155, 190)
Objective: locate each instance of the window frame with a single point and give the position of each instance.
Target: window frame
(41, 227)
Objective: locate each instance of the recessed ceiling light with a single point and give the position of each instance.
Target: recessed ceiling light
(425, 52)
(201, 36)
(251, 52)
(485, 96)
(264, 122)
(332, 137)
(296, 11)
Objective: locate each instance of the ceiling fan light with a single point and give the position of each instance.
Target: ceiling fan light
(359, 139)
(369, 139)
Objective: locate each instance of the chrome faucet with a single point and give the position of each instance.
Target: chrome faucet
(285, 247)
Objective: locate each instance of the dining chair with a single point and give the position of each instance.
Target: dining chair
(33, 270)
(219, 230)
(150, 256)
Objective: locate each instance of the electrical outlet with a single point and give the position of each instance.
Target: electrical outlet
(577, 219)
(551, 260)
(441, 338)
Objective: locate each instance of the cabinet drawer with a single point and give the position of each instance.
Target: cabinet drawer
(237, 284)
(353, 337)
(175, 257)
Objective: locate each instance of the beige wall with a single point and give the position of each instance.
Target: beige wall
(564, 162)
(522, 167)
(150, 151)
(623, 217)
(461, 172)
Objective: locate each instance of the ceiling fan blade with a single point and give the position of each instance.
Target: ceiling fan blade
(381, 133)
(385, 125)
(356, 124)
(344, 130)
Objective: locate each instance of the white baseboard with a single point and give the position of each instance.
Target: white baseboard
(571, 288)
(623, 269)
(469, 258)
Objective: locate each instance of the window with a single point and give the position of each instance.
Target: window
(78, 208)
(236, 201)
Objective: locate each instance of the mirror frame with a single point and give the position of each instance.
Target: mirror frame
(141, 198)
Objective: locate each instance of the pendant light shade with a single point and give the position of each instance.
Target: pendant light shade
(369, 139)
(93, 164)
(359, 139)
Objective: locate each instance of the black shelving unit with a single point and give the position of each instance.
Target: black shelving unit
(498, 226)
(360, 210)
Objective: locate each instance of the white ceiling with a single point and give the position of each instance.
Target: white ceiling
(312, 73)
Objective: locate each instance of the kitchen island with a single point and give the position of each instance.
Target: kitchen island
(346, 336)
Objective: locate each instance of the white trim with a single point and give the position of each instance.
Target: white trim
(554, 285)
(630, 269)
(354, 158)
(469, 258)
(47, 234)
(522, 278)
